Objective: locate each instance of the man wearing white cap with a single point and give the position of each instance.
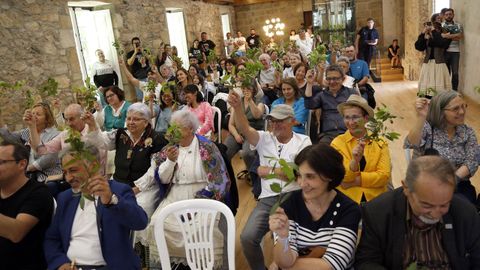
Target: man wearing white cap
(282, 143)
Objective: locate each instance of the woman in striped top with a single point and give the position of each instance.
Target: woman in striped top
(316, 228)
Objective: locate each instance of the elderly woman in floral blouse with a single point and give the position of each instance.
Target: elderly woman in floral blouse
(194, 168)
(440, 129)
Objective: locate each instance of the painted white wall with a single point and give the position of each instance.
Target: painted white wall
(466, 12)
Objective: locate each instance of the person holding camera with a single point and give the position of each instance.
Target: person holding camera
(434, 76)
(133, 59)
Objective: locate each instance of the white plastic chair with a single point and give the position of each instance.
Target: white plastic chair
(217, 111)
(196, 218)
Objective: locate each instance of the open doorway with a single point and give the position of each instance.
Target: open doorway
(92, 28)
(176, 33)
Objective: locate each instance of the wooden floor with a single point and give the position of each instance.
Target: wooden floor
(399, 97)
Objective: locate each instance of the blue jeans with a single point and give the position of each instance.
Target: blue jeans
(452, 60)
(254, 231)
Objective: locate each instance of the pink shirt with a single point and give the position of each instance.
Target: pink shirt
(58, 143)
(204, 113)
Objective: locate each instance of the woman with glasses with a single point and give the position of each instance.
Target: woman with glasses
(47, 165)
(367, 163)
(114, 114)
(316, 227)
(440, 129)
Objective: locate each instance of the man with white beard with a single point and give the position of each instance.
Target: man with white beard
(421, 224)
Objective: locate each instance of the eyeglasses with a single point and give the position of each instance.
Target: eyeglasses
(3, 161)
(354, 118)
(456, 109)
(333, 79)
(109, 96)
(276, 121)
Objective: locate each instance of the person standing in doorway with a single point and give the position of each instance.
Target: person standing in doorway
(366, 41)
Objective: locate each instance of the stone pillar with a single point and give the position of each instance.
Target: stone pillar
(416, 13)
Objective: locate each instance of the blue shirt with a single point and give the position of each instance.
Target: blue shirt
(330, 120)
(301, 113)
(359, 69)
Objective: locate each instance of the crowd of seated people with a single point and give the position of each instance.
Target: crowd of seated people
(140, 167)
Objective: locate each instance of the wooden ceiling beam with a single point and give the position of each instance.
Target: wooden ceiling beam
(251, 2)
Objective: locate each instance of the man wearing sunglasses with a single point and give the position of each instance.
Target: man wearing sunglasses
(26, 208)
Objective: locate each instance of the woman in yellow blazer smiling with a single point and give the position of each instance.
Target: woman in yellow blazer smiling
(367, 163)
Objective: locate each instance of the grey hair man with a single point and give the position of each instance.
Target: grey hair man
(420, 224)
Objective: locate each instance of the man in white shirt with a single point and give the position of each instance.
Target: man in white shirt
(93, 234)
(241, 44)
(280, 143)
(229, 44)
(304, 43)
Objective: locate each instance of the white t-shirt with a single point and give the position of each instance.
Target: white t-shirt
(241, 47)
(269, 146)
(305, 45)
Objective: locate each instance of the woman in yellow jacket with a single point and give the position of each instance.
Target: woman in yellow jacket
(367, 163)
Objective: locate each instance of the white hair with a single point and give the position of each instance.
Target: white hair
(140, 108)
(265, 56)
(185, 118)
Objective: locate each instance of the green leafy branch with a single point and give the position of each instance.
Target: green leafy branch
(212, 57)
(173, 134)
(48, 88)
(318, 55)
(79, 153)
(377, 128)
(86, 94)
(477, 89)
(177, 60)
(425, 93)
(253, 54)
(289, 169)
(150, 86)
(118, 48)
(252, 68)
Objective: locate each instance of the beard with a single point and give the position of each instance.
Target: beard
(427, 220)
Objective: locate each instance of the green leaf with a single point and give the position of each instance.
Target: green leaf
(88, 196)
(271, 176)
(82, 202)
(276, 187)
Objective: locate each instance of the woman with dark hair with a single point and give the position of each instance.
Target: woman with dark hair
(196, 52)
(44, 165)
(316, 228)
(114, 114)
(291, 96)
(440, 129)
(300, 70)
(201, 109)
(163, 112)
(183, 79)
(434, 73)
(254, 112)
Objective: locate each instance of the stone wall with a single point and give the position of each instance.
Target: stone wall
(365, 9)
(416, 13)
(36, 39)
(393, 14)
(254, 16)
(466, 12)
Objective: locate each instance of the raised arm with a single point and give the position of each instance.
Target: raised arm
(241, 120)
(414, 136)
(132, 80)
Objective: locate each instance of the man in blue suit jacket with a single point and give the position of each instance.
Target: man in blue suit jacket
(93, 234)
